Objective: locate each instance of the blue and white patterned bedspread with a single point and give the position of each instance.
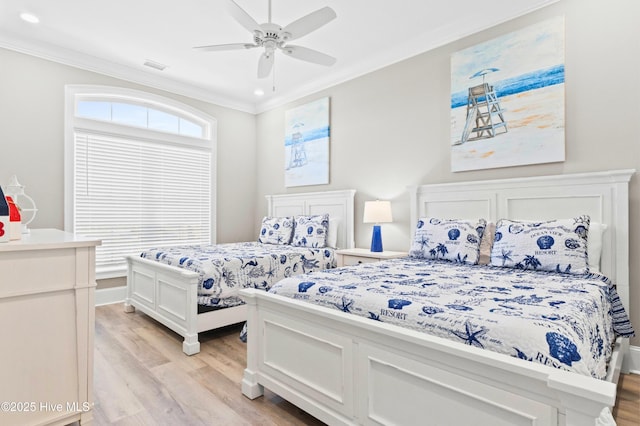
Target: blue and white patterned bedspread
(560, 320)
(226, 268)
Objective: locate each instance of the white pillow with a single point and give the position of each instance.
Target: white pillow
(332, 233)
(594, 245)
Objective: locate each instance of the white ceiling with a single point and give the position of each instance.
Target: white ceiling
(116, 37)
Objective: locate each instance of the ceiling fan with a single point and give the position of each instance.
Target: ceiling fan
(272, 36)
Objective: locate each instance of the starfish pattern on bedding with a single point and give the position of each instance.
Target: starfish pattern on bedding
(469, 336)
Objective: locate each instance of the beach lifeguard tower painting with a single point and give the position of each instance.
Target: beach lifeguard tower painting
(307, 144)
(507, 100)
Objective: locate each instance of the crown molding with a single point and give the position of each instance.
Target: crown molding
(98, 65)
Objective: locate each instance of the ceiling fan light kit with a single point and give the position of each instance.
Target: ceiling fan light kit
(272, 37)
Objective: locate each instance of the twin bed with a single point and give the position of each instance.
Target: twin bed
(195, 289)
(365, 369)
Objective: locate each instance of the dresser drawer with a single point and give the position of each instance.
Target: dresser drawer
(37, 271)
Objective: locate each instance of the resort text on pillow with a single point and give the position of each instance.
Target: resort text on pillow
(594, 244)
(276, 230)
(555, 245)
(452, 240)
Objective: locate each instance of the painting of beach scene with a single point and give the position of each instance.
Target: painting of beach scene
(507, 100)
(306, 144)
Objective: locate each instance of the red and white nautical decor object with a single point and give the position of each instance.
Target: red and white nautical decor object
(5, 222)
(26, 204)
(15, 226)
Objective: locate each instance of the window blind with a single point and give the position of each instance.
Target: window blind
(136, 194)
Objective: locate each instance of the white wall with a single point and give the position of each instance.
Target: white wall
(390, 128)
(32, 143)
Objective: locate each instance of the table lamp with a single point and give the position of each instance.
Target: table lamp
(377, 212)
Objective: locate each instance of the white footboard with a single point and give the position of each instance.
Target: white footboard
(170, 296)
(167, 294)
(349, 370)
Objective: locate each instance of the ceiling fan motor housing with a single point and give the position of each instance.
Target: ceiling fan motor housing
(272, 36)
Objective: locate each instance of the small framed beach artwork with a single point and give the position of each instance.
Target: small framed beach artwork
(306, 144)
(507, 100)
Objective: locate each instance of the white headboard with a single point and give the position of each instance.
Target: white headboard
(339, 205)
(604, 196)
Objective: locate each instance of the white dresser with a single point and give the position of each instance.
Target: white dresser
(47, 283)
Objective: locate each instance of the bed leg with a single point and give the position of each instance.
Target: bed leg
(129, 308)
(250, 386)
(191, 346)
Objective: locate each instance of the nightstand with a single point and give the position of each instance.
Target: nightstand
(356, 256)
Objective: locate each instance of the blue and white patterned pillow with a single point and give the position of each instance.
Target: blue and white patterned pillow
(311, 231)
(555, 245)
(276, 230)
(452, 240)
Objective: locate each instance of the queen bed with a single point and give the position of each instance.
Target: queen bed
(367, 370)
(191, 289)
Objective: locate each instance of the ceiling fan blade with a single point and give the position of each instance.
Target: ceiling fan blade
(308, 23)
(221, 47)
(309, 55)
(243, 17)
(265, 64)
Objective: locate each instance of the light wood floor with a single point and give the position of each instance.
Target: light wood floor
(627, 409)
(143, 378)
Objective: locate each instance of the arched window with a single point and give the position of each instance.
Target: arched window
(138, 172)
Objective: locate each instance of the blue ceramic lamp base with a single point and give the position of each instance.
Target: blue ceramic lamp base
(376, 239)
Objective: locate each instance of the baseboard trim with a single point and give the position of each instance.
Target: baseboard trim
(634, 359)
(108, 296)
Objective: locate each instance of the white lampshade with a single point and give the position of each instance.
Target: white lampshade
(377, 212)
